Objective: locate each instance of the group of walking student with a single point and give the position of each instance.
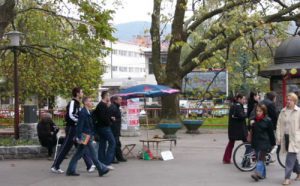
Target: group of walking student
(84, 126)
(264, 123)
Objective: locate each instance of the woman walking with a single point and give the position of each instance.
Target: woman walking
(288, 136)
(262, 139)
(251, 104)
(237, 129)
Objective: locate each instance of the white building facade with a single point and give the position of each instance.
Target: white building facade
(126, 65)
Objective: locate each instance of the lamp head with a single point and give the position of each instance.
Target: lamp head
(14, 37)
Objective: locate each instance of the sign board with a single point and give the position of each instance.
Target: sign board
(201, 79)
(133, 108)
(130, 113)
(167, 155)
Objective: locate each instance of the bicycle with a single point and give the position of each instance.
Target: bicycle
(247, 162)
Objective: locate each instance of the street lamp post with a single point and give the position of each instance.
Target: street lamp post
(14, 37)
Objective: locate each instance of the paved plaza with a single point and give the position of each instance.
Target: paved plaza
(198, 161)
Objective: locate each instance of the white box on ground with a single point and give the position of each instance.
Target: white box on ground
(167, 155)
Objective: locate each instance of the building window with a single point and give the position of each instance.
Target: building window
(114, 68)
(123, 69)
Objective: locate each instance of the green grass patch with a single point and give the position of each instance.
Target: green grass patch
(211, 123)
(216, 120)
(10, 141)
(216, 123)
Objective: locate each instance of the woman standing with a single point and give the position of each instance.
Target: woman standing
(262, 139)
(237, 129)
(288, 136)
(251, 103)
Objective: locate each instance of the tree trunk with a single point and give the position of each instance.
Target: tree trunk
(170, 108)
(170, 103)
(7, 15)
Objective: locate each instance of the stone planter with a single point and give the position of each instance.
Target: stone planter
(192, 126)
(169, 129)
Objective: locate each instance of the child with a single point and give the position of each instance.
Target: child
(262, 140)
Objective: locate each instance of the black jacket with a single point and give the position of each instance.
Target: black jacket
(114, 111)
(272, 111)
(72, 110)
(250, 107)
(101, 115)
(237, 129)
(263, 135)
(46, 129)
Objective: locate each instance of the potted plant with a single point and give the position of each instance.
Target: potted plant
(169, 128)
(192, 123)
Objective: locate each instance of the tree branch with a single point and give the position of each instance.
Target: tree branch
(269, 46)
(252, 40)
(178, 36)
(52, 13)
(156, 43)
(7, 14)
(213, 13)
(281, 3)
(210, 35)
(277, 17)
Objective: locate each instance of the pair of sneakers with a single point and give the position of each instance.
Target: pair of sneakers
(110, 167)
(59, 171)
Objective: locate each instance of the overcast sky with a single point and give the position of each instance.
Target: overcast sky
(133, 10)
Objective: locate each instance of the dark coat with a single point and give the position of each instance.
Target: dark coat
(114, 111)
(272, 111)
(250, 107)
(263, 137)
(85, 123)
(237, 129)
(101, 116)
(47, 129)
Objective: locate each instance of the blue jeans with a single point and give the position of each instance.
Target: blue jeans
(79, 153)
(106, 154)
(260, 166)
(66, 147)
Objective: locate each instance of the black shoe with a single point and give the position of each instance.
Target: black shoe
(72, 174)
(104, 172)
(115, 162)
(122, 159)
(255, 177)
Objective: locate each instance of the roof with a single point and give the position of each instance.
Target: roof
(288, 51)
(287, 56)
(275, 69)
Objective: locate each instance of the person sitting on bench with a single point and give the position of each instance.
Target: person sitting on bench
(47, 131)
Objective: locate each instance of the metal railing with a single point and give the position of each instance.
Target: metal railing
(7, 115)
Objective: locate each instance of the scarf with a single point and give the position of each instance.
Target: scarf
(259, 118)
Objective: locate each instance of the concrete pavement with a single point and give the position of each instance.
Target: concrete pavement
(198, 161)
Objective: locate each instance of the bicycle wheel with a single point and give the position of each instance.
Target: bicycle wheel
(281, 157)
(242, 161)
